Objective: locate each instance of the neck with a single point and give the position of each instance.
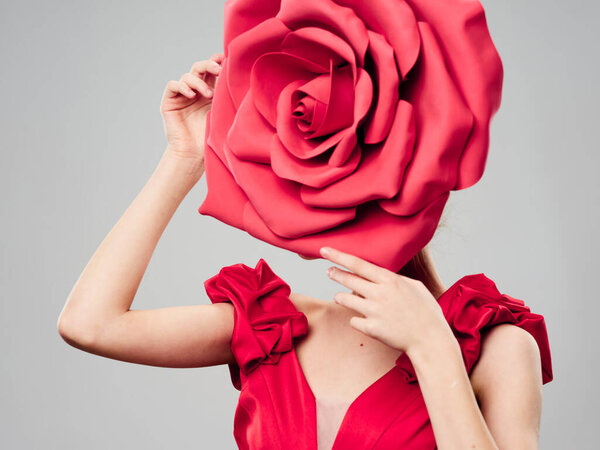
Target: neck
(422, 268)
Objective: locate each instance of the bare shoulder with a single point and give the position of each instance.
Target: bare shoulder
(322, 314)
(509, 357)
(313, 308)
(507, 381)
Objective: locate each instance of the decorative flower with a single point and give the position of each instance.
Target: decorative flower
(472, 306)
(347, 123)
(266, 321)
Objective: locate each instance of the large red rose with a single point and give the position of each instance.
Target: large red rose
(347, 123)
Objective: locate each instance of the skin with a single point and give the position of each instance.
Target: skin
(363, 331)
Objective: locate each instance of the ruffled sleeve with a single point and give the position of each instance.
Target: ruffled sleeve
(472, 306)
(266, 321)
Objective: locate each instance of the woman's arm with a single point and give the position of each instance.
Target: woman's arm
(507, 379)
(402, 313)
(455, 416)
(97, 316)
(108, 284)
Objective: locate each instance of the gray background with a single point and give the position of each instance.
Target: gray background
(81, 133)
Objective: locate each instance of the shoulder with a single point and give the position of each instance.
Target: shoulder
(311, 307)
(322, 313)
(495, 329)
(509, 357)
(507, 382)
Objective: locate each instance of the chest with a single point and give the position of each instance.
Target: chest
(339, 361)
(339, 364)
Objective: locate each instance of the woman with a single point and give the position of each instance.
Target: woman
(407, 321)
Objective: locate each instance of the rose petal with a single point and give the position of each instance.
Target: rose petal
(308, 148)
(316, 92)
(338, 19)
(309, 172)
(308, 112)
(476, 69)
(292, 138)
(378, 122)
(242, 15)
(224, 110)
(296, 142)
(280, 212)
(381, 169)
(249, 121)
(443, 123)
(363, 97)
(271, 73)
(376, 236)
(224, 200)
(320, 46)
(339, 88)
(397, 22)
(245, 49)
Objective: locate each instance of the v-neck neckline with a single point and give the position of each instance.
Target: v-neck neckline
(350, 407)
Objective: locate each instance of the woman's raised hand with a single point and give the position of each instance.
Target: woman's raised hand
(397, 310)
(184, 106)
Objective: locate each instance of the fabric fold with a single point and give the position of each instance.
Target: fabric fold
(266, 321)
(472, 306)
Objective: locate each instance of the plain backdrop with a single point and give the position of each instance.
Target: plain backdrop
(81, 133)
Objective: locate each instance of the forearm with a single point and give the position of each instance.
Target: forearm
(108, 284)
(455, 416)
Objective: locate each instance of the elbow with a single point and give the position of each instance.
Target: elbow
(75, 333)
(64, 329)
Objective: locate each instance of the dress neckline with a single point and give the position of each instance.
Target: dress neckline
(371, 388)
(350, 407)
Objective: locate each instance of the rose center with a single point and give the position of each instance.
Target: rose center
(324, 105)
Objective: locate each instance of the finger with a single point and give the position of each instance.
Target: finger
(351, 281)
(177, 87)
(205, 67)
(218, 57)
(353, 302)
(200, 85)
(361, 324)
(357, 265)
(211, 76)
(207, 71)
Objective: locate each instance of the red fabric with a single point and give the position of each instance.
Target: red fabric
(472, 306)
(339, 122)
(277, 408)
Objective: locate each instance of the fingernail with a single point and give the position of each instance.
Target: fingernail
(325, 251)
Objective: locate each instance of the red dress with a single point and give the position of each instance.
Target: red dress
(277, 409)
